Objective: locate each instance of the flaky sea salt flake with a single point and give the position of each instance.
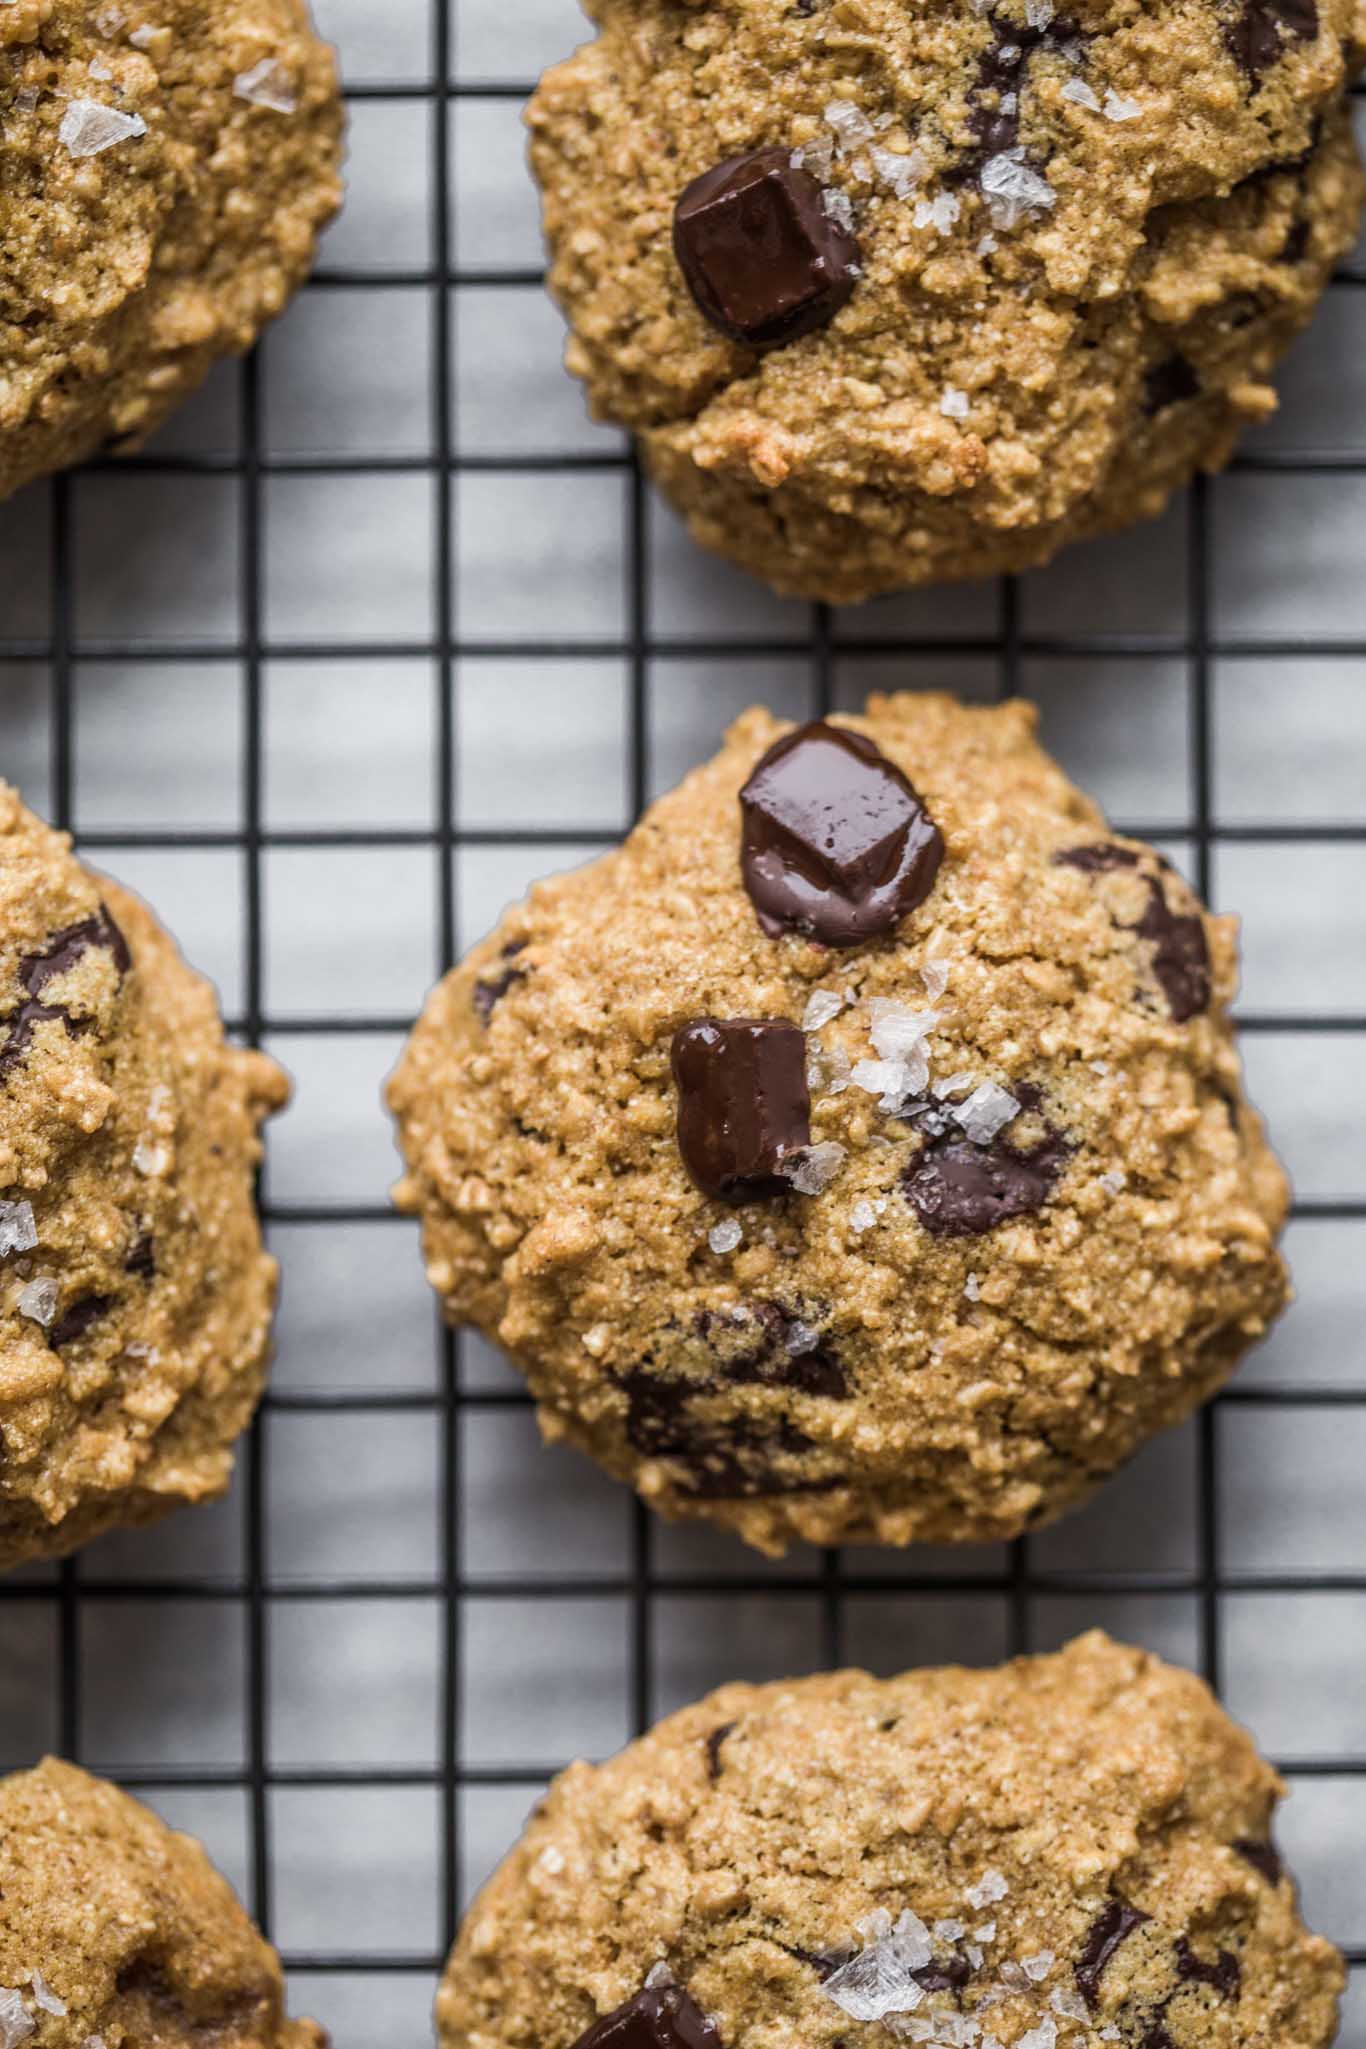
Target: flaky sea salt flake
(1042, 2037)
(725, 1237)
(896, 1030)
(38, 1301)
(267, 84)
(989, 1888)
(99, 69)
(1118, 107)
(954, 404)
(1037, 1967)
(880, 1980)
(44, 1996)
(816, 157)
(88, 128)
(972, 1288)
(987, 1110)
(1081, 94)
(1038, 13)
(986, 1933)
(821, 1006)
(862, 1217)
(1070, 2004)
(838, 207)
(1013, 189)
(900, 174)
(949, 1931)
(1115, 1182)
(974, 1955)
(938, 213)
(850, 124)
(813, 1169)
(18, 1232)
(15, 2023)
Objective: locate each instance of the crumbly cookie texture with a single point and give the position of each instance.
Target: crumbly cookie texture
(1068, 1850)
(1086, 233)
(116, 1931)
(164, 176)
(1025, 1221)
(135, 1297)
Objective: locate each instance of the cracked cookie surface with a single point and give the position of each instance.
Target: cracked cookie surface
(116, 1930)
(1085, 235)
(164, 176)
(135, 1296)
(1060, 1852)
(1013, 1218)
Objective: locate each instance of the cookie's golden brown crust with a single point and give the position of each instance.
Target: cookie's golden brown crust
(135, 1297)
(994, 387)
(126, 272)
(128, 1927)
(858, 1377)
(746, 1838)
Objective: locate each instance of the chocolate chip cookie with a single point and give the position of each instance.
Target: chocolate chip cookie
(164, 175)
(858, 1153)
(118, 1932)
(893, 294)
(1062, 1852)
(135, 1297)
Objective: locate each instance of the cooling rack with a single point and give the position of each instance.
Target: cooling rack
(380, 629)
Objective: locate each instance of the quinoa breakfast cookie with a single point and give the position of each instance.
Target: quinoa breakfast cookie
(135, 1297)
(117, 1932)
(164, 174)
(892, 294)
(858, 1152)
(1062, 1852)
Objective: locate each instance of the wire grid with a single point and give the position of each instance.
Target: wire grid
(644, 1580)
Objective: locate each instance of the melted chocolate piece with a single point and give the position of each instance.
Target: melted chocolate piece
(1167, 384)
(769, 1360)
(1180, 954)
(1224, 1973)
(961, 1190)
(743, 1103)
(142, 1258)
(1096, 859)
(714, 1743)
(488, 994)
(1263, 1857)
(949, 1976)
(660, 2017)
(761, 256)
(732, 1459)
(36, 970)
(1295, 247)
(1002, 73)
(1259, 33)
(836, 843)
(1104, 1937)
(824, 1962)
(77, 1320)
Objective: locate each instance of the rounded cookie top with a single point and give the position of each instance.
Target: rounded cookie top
(135, 1296)
(859, 1151)
(1060, 1852)
(163, 181)
(117, 1930)
(914, 335)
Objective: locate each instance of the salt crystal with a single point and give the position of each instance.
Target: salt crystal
(988, 245)
(862, 1217)
(1110, 2033)
(816, 156)
(885, 1079)
(1115, 1182)
(821, 1006)
(850, 125)
(1014, 1976)
(38, 1301)
(99, 69)
(954, 1085)
(659, 1974)
(18, 1232)
(551, 1860)
(15, 2024)
(1038, 1966)
(725, 1237)
(109, 20)
(1118, 108)
(957, 2031)
(837, 207)
(44, 1996)
(1070, 2004)
(990, 2042)
(912, 2027)
(953, 404)
(938, 213)
(972, 1288)
(267, 84)
(813, 1169)
(1038, 13)
(987, 1110)
(874, 1927)
(986, 1933)
(896, 1030)
(88, 128)
(989, 1888)
(801, 1338)
(880, 1980)
(142, 38)
(1042, 2037)
(150, 1159)
(949, 1931)
(901, 174)
(1100, 1067)
(974, 1955)
(27, 97)
(94, 2042)
(1080, 93)
(935, 975)
(1013, 189)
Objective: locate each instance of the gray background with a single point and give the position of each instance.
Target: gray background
(240, 668)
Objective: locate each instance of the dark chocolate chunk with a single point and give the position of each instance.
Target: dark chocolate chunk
(762, 258)
(1167, 383)
(730, 1459)
(142, 1257)
(961, 1190)
(1104, 1937)
(824, 1962)
(36, 970)
(764, 1346)
(1002, 73)
(948, 1974)
(714, 1742)
(1295, 247)
(659, 2017)
(1155, 2035)
(1096, 859)
(743, 1103)
(1263, 1857)
(1224, 1972)
(1258, 34)
(77, 1320)
(1180, 954)
(487, 994)
(836, 843)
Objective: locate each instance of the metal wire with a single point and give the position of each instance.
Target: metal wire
(640, 1581)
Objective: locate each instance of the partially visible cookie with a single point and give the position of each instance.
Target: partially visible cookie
(893, 294)
(859, 1153)
(164, 176)
(1060, 1853)
(116, 1933)
(135, 1296)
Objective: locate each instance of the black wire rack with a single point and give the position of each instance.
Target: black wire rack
(832, 1579)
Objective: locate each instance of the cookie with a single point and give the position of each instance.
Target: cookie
(135, 1297)
(1063, 1851)
(164, 177)
(117, 1932)
(892, 294)
(859, 1152)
